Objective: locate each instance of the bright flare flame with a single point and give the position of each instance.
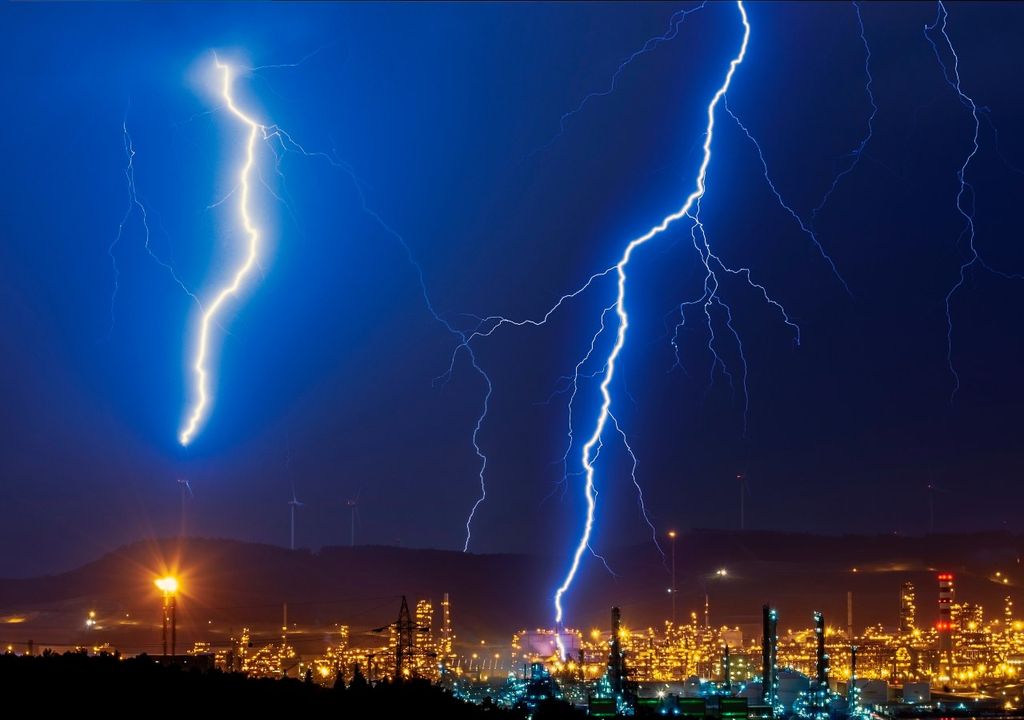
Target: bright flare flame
(202, 395)
(620, 339)
(167, 585)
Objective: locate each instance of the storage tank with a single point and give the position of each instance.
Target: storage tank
(873, 692)
(751, 691)
(791, 685)
(917, 692)
(691, 687)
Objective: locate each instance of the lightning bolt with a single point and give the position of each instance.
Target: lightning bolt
(281, 142)
(963, 206)
(592, 444)
(231, 289)
(572, 387)
(710, 302)
(713, 265)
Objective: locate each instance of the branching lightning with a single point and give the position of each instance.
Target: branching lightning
(858, 151)
(965, 194)
(713, 264)
(463, 345)
(805, 228)
(716, 311)
(574, 384)
(209, 315)
(710, 303)
(674, 24)
(134, 203)
(711, 297)
(462, 337)
(593, 442)
(808, 226)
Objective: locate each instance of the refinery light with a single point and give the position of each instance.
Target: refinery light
(168, 585)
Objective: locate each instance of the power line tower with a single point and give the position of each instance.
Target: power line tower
(447, 640)
(405, 648)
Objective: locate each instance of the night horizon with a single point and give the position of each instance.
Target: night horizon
(571, 310)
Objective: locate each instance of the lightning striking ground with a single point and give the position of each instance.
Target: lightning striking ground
(712, 263)
(587, 455)
(964, 206)
(199, 366)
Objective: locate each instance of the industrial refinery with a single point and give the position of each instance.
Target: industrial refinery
(968, 663)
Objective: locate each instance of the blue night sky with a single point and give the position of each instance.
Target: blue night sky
(445, 119)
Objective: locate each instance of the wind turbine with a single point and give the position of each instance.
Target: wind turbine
(185, 488)
(294, 503)
(932, 489)
(742, 477)
(353, 507)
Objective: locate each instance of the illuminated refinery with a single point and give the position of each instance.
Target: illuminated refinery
(814, 669)
(629, 359)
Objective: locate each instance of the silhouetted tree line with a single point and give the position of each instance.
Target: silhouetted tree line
(142, 686)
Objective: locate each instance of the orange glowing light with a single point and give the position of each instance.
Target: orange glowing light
(168, 585)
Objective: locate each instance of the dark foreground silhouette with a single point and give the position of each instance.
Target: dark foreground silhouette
(142, 686)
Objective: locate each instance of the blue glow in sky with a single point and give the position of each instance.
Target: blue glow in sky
(445, 121)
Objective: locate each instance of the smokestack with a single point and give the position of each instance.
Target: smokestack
(616, 666)
(945, 623)
(849, 615)
(851, 687)
(769, 650)
(726, 669)
(821, 656)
